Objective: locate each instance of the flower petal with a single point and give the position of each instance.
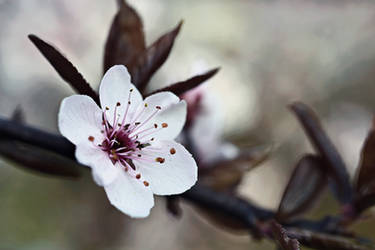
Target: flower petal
(103, 170)
(116, 87)
(79, 118)
(176, 174)
(130, 196)
(170, 119)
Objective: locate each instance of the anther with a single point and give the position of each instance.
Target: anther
(172, 151)
(137, 123)
(106, 108)
(146, 183)
(164, 125)
(155, 125)
(146, 105)
(158, 107)
(91, 138)
(138, 176)
(160, 160)
(152, 139)
(131, 90)
(139, 155)
(118, 104)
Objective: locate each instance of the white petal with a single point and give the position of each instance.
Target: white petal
(79, 118)
(172, 113)
(115, 87)
(103, 170)
(130, 196)
(177, 174)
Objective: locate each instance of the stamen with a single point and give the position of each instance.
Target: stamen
(146, 183)
(91, 138)
(164, 125)
(126, 111)
(160, 160)
(145, 121)
(138, 176)
(135, 135)
(172, 151)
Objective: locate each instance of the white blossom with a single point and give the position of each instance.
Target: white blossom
(129, 142)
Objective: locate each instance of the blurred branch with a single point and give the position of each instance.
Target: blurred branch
(231, 206)
(324, 241)
(280, 235)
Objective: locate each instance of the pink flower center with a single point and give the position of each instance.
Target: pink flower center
(126, 142)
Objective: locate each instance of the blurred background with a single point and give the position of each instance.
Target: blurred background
(271, 53)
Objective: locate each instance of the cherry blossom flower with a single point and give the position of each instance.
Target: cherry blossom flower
(129, 142)
(204, 122)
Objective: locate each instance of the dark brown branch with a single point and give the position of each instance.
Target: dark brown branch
(226, 204)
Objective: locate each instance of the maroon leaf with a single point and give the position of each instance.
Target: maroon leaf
(64, 68)
(152, 58)
(323, 145)
(181, 87)
(227, 174)
(125, 40)
(283, 240)
(304, 187)
(365, 184)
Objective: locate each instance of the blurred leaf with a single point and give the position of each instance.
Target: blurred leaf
(64, 68)
(304, 187)
(323, 145)
(153, 58)
(37, 160)
(125, 40)
(225, 175)
(365, 184)
(281, 237)
(181, 87)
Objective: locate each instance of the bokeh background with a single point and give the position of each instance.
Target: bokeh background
(271, 53)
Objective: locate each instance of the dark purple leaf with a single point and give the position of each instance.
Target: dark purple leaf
(181, 87)
(304, 187)
(226, 174)
(64, 68)
(281, 237)
(125, 41)
(153, 58)
(323, 145)
(365, 184)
